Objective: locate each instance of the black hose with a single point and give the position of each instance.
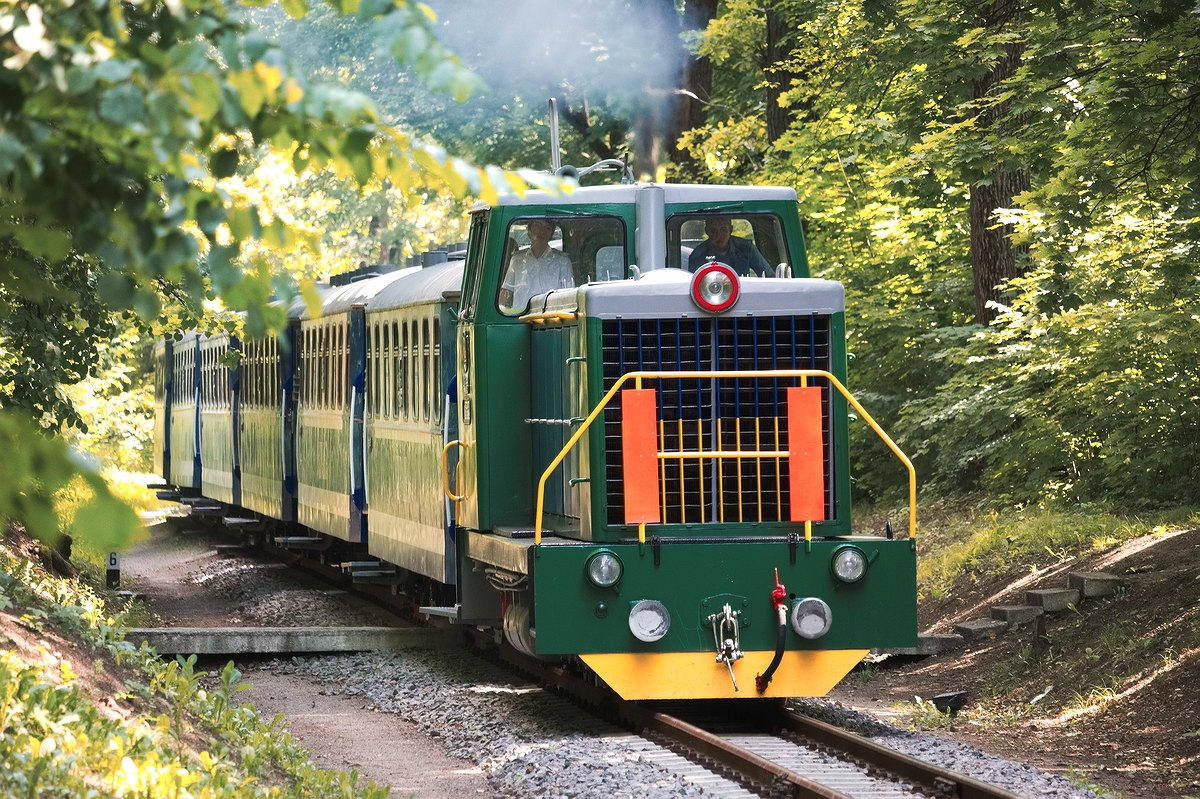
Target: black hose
(762, 680)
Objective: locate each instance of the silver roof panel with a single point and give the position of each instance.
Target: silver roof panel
(667, 292)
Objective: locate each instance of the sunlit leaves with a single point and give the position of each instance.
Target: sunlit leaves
(1083, 389)
(1086, 387)
(35, 467)
(296, 9)
(59, 740)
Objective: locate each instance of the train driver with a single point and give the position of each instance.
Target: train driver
(722, 245)
(537, 268)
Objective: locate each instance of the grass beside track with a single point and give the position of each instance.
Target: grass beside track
(973, 540)
(84, 713)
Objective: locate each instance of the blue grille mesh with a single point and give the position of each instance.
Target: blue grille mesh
(749, 411)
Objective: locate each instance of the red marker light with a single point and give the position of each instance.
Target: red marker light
(715, 287)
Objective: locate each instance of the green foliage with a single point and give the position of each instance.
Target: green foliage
(119, 126)
(346, 227)
(50, 316)
(1086, 394)
(1082, 390)
(924, 715)
(119, 118)
(968, 543)
(38, 465)
(114, 402)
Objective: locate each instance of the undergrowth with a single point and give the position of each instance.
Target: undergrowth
(971, 539)
(163, 736)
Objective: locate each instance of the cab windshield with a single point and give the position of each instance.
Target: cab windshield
(752, 243)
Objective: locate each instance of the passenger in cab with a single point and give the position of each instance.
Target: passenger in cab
(723, 246)
(537, 268)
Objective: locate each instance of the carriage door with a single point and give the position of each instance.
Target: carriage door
(467, 482)
(356, 376)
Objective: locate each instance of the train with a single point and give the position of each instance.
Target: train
(637, 464)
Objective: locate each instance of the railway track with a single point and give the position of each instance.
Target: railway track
(804, 757)
(759, 745)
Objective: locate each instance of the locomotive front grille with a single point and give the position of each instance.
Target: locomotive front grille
(710, 415)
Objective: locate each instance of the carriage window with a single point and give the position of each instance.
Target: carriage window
(545, 254)
(321, 366)
(379, 371)
(396, 377)
(250, 375)
(753, 244)
(262, 385)
(318, 372)
(342, 363)
(309, 382)
(414, 369)
(402, 372)
(373, 371)
(426, 372)
(328, 365)
(437, 371)
(249, 372)
(276, 372)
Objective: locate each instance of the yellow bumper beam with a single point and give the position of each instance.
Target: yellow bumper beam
(698, 675)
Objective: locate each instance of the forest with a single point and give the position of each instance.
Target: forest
(1007, 189)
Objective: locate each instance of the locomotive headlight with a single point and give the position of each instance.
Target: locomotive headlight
(715, 287)
(604, 569)
(649, 620)
(849, 564)
(811, 618)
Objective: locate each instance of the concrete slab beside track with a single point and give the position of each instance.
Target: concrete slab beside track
(291, 640)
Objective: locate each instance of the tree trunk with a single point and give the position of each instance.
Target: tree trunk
(994, 259)
(688, 110)
(778, 75)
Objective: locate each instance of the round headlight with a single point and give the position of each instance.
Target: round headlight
(649, 620)
(715, 287)
(811, 618)
(849, 564)
(604, 569)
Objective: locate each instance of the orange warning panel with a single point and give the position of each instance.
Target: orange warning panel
(806, 454)
(639, 455)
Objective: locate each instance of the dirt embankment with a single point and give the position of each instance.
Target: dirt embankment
(1107, 695)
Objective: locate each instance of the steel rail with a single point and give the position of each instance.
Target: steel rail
(944, 781)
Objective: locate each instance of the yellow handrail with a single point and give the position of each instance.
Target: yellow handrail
(446, 472)
(766, 373)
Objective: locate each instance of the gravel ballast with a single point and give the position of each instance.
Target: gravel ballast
(531, 743)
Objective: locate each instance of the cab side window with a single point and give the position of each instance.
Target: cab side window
(552, 254)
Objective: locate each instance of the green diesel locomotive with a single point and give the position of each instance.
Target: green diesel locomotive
(614, 429)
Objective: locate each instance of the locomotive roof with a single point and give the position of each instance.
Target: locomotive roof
(674, 193)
